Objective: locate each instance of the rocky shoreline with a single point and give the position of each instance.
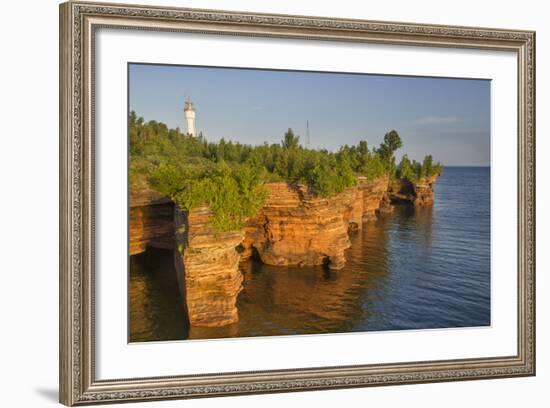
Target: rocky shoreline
(293, 228)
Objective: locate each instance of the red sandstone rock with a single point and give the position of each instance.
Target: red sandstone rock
(373, 193)
(420, 193)
(424, 189)
(355, 216)
(151, 221)
(297, 228)
(385, 204)
(207, 263)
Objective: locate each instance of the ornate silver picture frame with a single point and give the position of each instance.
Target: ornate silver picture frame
(79, 22)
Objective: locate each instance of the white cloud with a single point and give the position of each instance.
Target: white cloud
(436, 120)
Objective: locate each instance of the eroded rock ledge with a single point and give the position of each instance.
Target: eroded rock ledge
(293, 228)
(421, 193)
(297, 228)
(207, 264)
(151, 221)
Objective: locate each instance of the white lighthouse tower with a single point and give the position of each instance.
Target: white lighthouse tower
(189, 112)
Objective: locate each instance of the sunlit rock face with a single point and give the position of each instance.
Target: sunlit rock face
(421, 193)
(207, 263)
(151, 221)
(424, 189)
(355, 215)
(296, 228)
(373, 194)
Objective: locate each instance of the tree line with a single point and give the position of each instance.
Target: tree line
(229, 176)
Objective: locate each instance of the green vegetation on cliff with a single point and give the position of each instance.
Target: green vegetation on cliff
(415, 171)
(229, 176)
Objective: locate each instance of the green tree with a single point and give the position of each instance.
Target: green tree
(407, 170)
(427, 164)
(392, 142)
(290, 140)
(429, 168)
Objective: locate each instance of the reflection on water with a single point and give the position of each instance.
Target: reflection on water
(156, 308)
(413, 269)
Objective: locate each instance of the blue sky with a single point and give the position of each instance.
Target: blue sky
(448, 118)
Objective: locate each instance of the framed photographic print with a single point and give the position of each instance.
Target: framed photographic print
(256, 203)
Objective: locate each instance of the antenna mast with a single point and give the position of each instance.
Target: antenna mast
(307, 134)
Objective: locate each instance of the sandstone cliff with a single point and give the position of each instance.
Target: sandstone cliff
(424, 189)
(296, 228)
(373, 194)
(207, 264)
(421, 193)
(151, 221)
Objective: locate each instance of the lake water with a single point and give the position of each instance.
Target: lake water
(416, 268)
